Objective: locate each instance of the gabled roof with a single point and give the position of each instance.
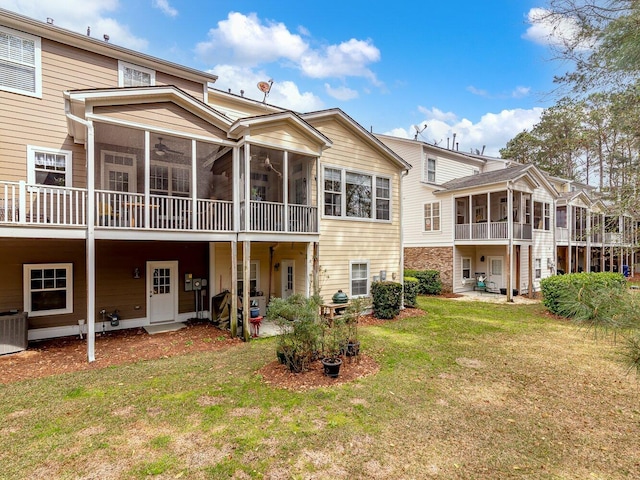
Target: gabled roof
(85, 42)
(497, 177)
(77, 100)
(566, 198)
(242, 125)
(368, 137)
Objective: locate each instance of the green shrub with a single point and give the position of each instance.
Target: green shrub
(560, 291)
(428, 281)
(387, 299)
(410, 292)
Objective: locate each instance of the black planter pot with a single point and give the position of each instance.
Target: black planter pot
(332, 366)
(353, 348)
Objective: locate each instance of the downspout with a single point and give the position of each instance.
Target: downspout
(401, 273)
(90, 252)
(510, 241)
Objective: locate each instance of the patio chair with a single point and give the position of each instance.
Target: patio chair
(480, 285)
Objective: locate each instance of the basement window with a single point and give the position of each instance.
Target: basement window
(48, 289)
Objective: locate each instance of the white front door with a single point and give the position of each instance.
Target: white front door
(288, 276)
(162, 288)
(495, 272)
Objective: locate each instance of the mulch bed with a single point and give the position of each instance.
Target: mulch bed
(69, 354)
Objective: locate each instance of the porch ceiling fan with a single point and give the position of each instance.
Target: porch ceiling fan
(161, 149)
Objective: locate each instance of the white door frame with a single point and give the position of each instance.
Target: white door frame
(490, 276)
(284, 269)
(171, 316)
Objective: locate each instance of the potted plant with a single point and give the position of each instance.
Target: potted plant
(351, 319)
(333, 345)
(301, 331)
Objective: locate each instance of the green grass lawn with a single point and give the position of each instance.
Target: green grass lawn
(468, 390)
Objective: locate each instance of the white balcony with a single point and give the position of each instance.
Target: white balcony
(492, 231)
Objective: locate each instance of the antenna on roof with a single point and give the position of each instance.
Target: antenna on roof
(50, 20)
(419, 131)
(88, 31)
(106, 37)
(265, 87)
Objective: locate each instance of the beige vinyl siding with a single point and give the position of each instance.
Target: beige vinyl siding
(234, 107)
(284, 136)
(260, 252)
(345, 240)
(164, 115)
(543, 240)
(194, 89)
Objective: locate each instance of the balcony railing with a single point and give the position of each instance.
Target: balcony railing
(492, 231)
(24, 204)
(270, 217)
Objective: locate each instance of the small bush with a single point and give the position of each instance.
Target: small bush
(410, 292)
(429, 282)
(560, 291)
(387, 299)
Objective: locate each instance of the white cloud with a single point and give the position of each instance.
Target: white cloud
(284, 94)
(348, 59)
(77, 15)
(163, 5)
(437, 114)
(249, 41)
(493, 131)
(546, 29)
(245, 40)
(518, 92)
(477, 91)
(340, 93)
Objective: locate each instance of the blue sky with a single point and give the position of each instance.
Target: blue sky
(480, 70)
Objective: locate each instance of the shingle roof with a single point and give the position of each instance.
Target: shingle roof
(486, 178)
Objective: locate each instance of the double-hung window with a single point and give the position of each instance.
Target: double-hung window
(432, 217)
(356, 195)
(383, 198)
(466, 267)
(20, 63)
(429, 170)
(48, 166)
(48, 289)
(538, 268)
(359, 278)
(541, 216)
(332, 192)
(130, 75)
(254, 278)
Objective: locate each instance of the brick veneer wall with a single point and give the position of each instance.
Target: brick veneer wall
(432, 258)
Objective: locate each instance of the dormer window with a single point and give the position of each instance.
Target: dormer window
(130, 75)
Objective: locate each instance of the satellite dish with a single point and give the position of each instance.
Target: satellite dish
(265, 87)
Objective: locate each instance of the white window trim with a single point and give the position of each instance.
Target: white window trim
(462, 268)
(37, 59)
(26, 280)
(343, 195)
(241, 272)
(425, 169)
(122, 65)
(134, 168)
(537, 269)
(170, 172)
(424, 230)
(351, 279)
(31, 163)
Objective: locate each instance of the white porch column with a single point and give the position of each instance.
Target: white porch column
(246, 277)
(285, 189)
(234, 289)
(90, 249)
(194, 189)
(510, 244)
